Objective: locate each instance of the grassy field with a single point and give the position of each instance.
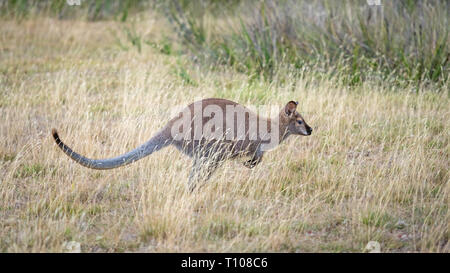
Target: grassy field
(374, 169)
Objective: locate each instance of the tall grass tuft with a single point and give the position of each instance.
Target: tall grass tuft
(405, 42)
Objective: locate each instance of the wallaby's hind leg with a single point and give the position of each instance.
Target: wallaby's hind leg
(193, 175)
(201, 171)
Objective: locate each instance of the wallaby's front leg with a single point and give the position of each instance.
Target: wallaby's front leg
(257, 157)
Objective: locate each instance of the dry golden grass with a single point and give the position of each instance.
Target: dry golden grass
(376, 158)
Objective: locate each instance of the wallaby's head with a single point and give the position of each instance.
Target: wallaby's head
(296, 125)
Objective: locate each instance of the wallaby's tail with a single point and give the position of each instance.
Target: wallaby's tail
(154, 144)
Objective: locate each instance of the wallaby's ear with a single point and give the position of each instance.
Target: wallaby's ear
(290, 107)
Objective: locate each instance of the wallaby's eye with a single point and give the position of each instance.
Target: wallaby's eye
(299, 122)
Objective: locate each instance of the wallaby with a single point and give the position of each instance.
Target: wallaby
(213, 130)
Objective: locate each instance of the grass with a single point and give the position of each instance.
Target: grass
(400, 42)
(376, 156)
(92, 10)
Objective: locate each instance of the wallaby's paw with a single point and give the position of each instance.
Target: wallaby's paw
(250, 164)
